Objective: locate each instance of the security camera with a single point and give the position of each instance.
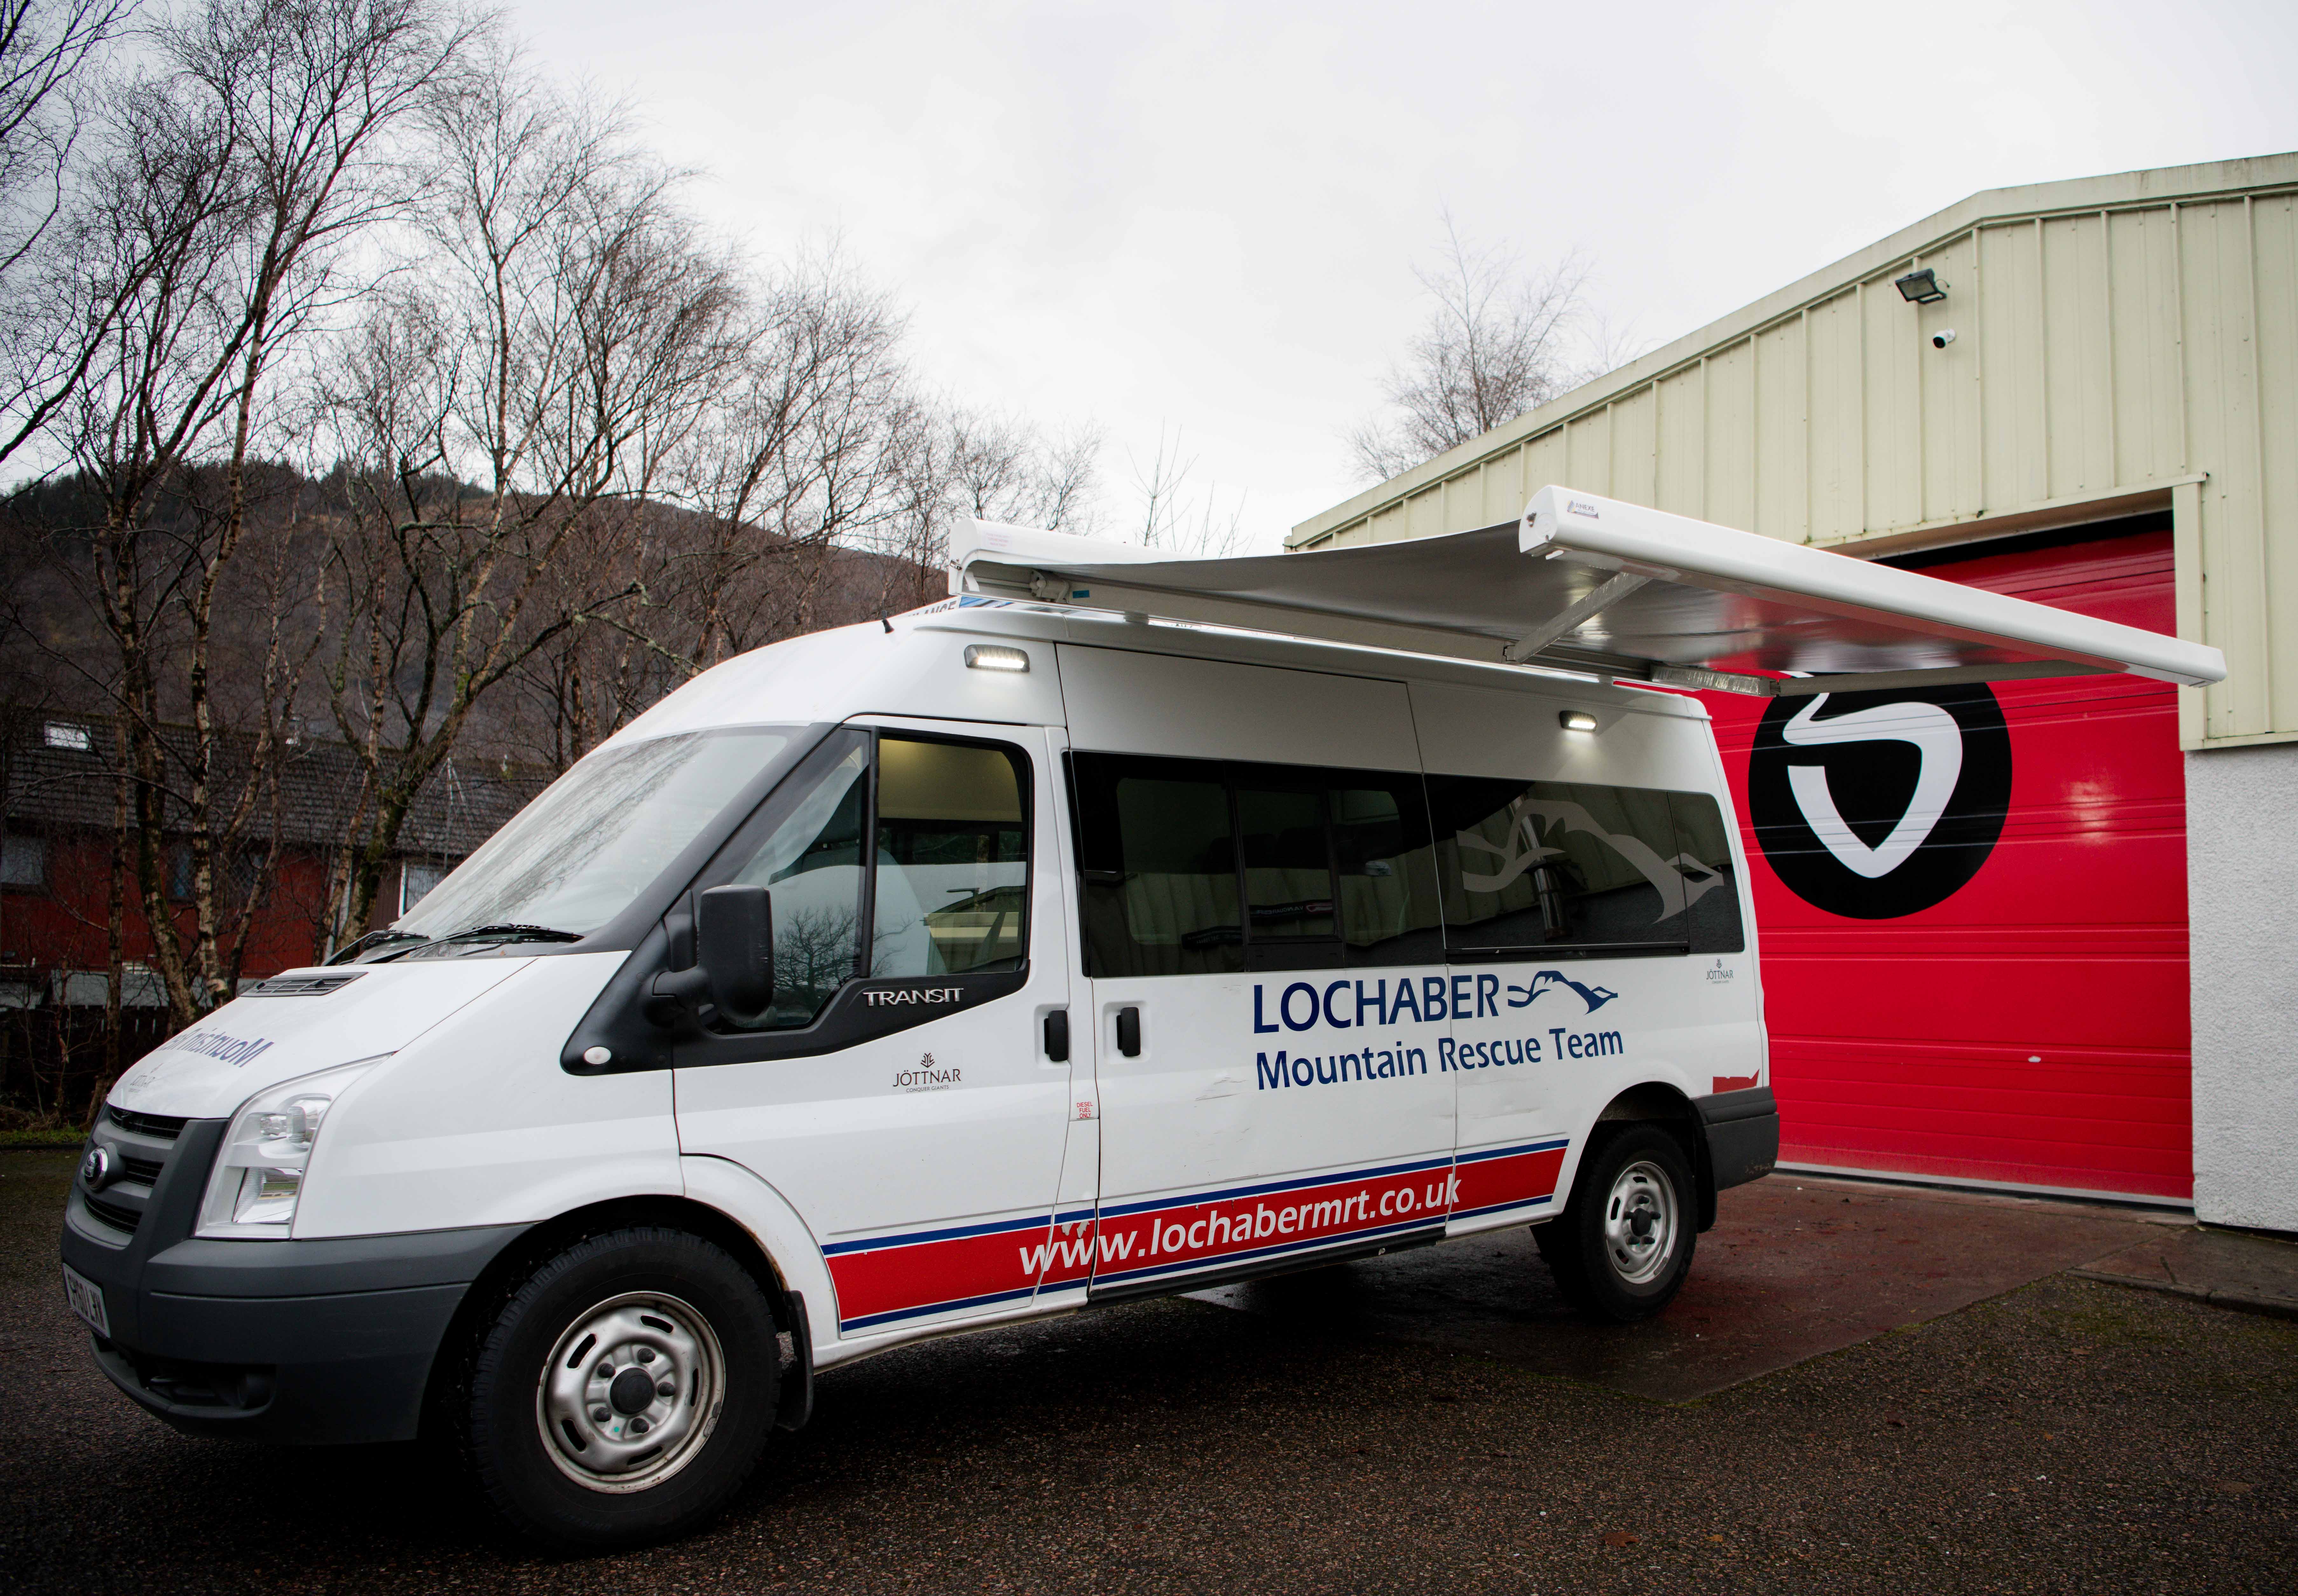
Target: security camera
(1943, 338)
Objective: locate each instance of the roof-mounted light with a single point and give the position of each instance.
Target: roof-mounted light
(993, 657)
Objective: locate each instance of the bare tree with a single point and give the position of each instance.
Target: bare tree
(1175, 516)
(958, 463)
(313, 90)
(1499, 341)
(45, 47)
(48, 49)
(395, 389)
(241, 162)
(1002, 468)
(807, 448)
(557, 345)
(818, 485)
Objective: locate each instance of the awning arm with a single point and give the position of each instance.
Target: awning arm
(1571, 619)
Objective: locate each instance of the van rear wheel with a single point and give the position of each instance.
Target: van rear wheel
(624, 1391)
(1623, 1245)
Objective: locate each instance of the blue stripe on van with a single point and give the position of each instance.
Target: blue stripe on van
(866, 1320)
(1550, 1145)
(952, 1233)
(1297, 1184)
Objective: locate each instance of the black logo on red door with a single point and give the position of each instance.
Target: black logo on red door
(1875, 805)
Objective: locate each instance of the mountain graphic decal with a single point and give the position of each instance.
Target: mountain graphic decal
(1549, 980)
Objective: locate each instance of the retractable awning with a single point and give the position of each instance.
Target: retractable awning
(1592, 584)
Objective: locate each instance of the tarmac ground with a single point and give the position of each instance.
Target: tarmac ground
(1908, 1391)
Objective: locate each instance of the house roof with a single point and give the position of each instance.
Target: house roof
(59, 774)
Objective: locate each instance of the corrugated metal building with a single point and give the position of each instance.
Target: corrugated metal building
(2113, 426)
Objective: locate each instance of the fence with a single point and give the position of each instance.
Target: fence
(52, 1058)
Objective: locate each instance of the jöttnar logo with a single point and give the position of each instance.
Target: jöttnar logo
(926, 1076)
(1876, 805)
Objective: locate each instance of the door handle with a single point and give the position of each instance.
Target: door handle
(1057, 1036)
(1128, 1032)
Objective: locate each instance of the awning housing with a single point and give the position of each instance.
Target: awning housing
(1590, 584)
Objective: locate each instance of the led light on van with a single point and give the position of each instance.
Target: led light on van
(259, 1172)
(990, 657)
(1576, 720)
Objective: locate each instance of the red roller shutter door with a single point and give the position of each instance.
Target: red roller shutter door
(2030, 1025)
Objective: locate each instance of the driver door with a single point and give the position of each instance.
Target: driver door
(897, 1092)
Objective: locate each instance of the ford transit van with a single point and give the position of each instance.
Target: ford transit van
(1063, 943)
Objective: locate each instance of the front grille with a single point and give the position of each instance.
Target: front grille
(140, 1171)
(116, 1215)
(166, 1127)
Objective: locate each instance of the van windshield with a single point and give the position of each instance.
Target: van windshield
(593, 839)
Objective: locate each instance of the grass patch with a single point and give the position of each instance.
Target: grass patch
(42, 1139)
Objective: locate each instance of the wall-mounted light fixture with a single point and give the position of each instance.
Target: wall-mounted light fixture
(1576, 720)
(1921, 288)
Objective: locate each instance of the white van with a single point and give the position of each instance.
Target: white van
(1022, 954)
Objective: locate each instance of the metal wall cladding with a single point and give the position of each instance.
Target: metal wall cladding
(2032, 1027)
(2129, 341)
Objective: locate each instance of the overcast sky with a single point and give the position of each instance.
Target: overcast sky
(1205, 217)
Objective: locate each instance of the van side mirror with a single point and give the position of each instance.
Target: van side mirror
(734, 947)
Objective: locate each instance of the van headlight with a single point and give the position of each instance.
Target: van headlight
(259, 1172)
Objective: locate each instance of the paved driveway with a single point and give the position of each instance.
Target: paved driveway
(2070, 1436)
(1796, 1269)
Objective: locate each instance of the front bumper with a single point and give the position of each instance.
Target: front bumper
(305, 1341)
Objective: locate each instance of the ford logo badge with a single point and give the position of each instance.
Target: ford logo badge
(95, 1169)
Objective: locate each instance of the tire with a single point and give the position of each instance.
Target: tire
(648, 1307)
(1623, 1245)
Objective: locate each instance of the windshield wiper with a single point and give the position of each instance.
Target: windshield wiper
(513, 933)
(371, 941)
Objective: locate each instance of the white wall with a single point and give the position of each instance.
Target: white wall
(2242, 874)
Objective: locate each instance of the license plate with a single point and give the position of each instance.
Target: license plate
(86, 1299)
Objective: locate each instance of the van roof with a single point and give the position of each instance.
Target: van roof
(913, 665)
(1081, 627)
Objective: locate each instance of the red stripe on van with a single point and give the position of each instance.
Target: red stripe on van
(924, 1277)
(1515, 1181)
(1206, 1233)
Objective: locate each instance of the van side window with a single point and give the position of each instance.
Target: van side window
(1202, 867)
(1387, 870)
(1288, 876)
(811, 867)
(1559, 867)
(950, 894)
(947, 863)
(1159, 858)
(1705, 853)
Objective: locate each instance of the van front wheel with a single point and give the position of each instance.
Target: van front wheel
(1623, 1245)
(624, 1391)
